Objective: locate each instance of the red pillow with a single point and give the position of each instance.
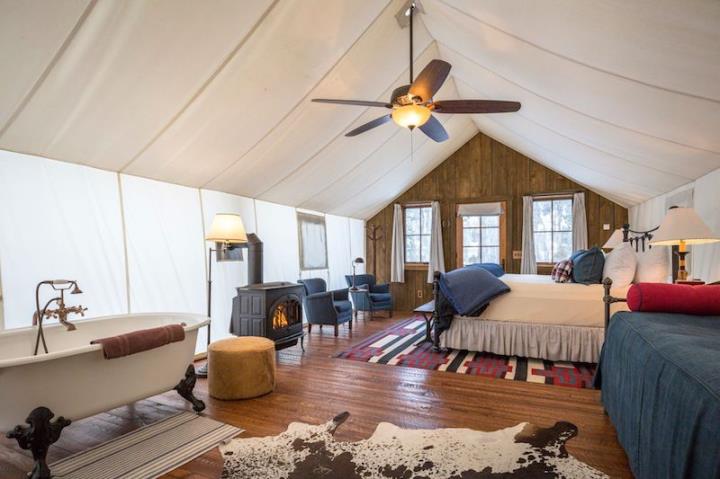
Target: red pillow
(703, 300)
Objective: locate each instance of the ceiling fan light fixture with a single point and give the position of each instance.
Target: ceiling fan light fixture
(411, 116)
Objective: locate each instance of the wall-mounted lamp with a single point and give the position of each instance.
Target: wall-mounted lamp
(227, 231)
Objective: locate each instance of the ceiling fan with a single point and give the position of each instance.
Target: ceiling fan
(413, 105)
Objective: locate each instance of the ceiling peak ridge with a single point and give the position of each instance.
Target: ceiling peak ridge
(578, 62)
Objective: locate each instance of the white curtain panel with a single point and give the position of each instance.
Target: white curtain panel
(277, 229)
(397, 258)
(166, 248)
(339, 250)
(579, 223)
(59, 220)
(226, 275)
(357, 243)
(437, 258)
(528, 265)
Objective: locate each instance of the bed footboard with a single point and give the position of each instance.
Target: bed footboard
(608, 299)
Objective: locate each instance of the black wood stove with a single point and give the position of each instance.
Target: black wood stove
(270, 310)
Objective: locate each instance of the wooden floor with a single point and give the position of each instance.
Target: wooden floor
(313, 387)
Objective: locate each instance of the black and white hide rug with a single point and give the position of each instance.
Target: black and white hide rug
(308, 451)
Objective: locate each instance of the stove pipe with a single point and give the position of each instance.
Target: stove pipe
(255, 259)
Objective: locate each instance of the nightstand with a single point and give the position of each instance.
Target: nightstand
(691, 282)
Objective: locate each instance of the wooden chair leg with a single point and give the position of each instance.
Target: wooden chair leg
(309, 327)
(336, 330)
(350, 324)
(390, 312)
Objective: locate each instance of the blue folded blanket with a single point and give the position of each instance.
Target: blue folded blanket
(470, 289)
(494, 268)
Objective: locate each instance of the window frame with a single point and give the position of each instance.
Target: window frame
(310, 218)
(551, 199)
(416, 264)
(502, 232)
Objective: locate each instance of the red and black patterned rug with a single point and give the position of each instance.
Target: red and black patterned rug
(403, 345)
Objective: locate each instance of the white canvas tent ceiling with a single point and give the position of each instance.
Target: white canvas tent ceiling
(623, 97)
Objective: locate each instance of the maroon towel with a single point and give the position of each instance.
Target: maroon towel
(139, 341)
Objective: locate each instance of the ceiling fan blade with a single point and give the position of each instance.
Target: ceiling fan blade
(434, 129)
(353, 102)
(475, 106)
(369, 125)
(429, 81)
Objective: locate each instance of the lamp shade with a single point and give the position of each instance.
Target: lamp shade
(615, 240)
(227, 228)
(683, 224)
(358, 260)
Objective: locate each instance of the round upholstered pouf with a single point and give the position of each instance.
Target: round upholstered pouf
(241, 368)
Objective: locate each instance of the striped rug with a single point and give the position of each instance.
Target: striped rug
(403, 345)
(148, 452)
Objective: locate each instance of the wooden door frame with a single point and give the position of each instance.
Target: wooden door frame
(505, 243)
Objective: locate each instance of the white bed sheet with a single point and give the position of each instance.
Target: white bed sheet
(537, 299)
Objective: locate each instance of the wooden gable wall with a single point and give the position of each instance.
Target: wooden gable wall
(481, 170)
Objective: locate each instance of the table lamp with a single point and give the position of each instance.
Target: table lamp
(682, 227)
(227, 231)
(615, 240)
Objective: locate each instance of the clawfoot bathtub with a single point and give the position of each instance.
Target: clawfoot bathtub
(74, 380)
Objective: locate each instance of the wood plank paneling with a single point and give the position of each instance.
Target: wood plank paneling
(483, 170)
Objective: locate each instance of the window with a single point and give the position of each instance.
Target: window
(480, 239)
(418, 224)
(313, 241)
(552, 229)
(480, 233)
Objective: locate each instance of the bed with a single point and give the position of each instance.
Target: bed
(661, 389)
(539, 319)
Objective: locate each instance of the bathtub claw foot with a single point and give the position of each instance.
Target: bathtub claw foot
(185, 389)
(38, 436)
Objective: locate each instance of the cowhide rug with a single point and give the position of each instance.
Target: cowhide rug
(307, 451)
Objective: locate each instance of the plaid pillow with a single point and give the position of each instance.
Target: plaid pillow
(562, 271)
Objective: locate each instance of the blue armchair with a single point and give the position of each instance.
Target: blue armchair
(370, 296)
(325, 307)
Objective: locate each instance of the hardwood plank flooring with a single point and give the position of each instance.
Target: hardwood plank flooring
(313, 387)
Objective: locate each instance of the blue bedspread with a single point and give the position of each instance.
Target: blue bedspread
(660, 379)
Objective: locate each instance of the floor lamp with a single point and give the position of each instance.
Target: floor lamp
(227, 232)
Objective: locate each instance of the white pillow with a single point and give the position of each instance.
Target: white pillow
(620, 265)
(653, 265)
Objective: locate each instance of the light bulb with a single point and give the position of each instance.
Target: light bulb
(411, 116)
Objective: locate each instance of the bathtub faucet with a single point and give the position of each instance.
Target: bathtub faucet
(60, 313)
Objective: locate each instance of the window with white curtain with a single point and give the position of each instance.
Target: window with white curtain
(313, 241)
(552, 229)
(418, 228)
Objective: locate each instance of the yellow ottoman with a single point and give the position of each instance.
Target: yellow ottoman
(241, 368)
